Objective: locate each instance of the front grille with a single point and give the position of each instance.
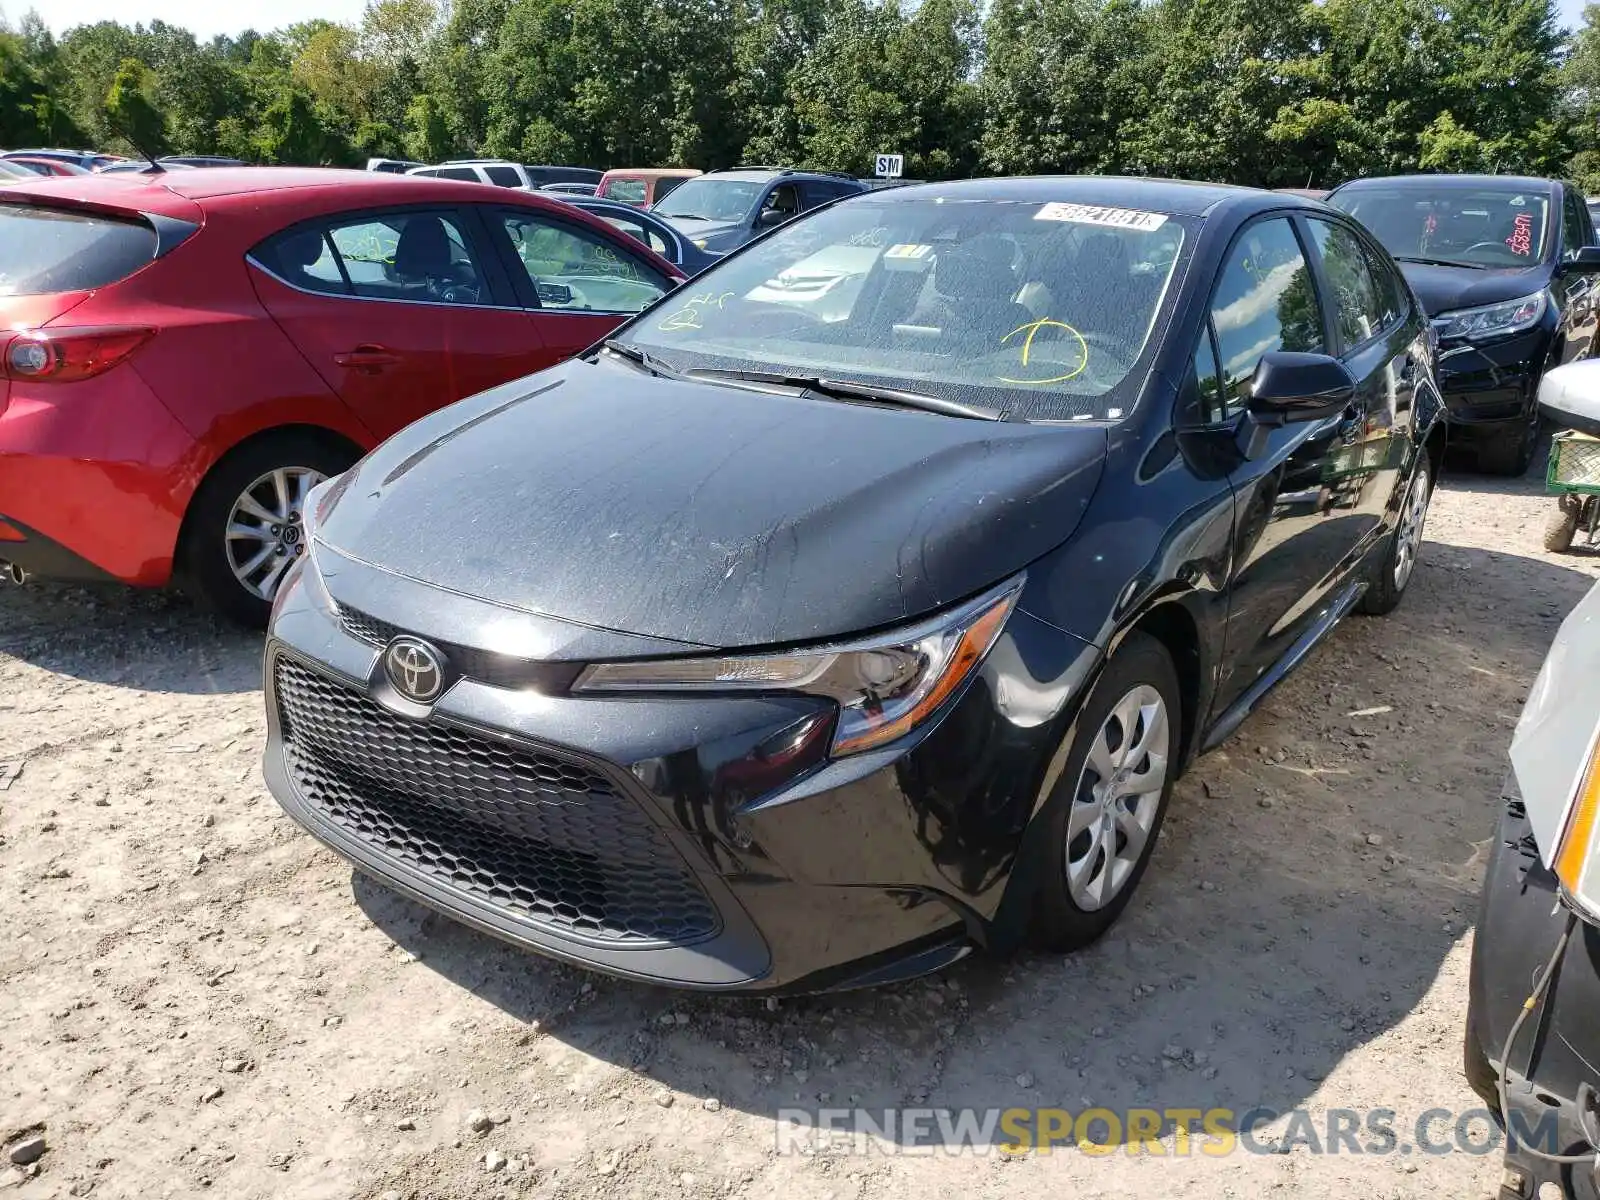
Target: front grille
(541, 838)
(367, 629)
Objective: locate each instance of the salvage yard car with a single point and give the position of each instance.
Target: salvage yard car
(1505, 266)
(1533, 1044)
(722, 210)
(765, 648)
(183, 356)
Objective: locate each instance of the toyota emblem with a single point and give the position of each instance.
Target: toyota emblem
(415, 669)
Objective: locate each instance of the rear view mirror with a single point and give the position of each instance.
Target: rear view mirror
(1570, 395)
(1289, 386)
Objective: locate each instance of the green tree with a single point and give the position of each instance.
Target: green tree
(130, 111)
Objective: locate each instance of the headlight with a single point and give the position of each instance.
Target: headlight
(1577, 857)
(1492, 320)
(884, 686)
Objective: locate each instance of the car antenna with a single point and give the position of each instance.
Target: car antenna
(155, 168)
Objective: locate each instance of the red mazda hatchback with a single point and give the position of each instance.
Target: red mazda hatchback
(184, 355)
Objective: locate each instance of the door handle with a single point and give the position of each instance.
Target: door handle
(369, 357)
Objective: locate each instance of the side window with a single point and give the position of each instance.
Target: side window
(503, 176)
(1204, 398)
(785, 199)
(643, 233)
(629, 191)
(465, 174)
(304, 258)
(1357, 307)
(1573, 234)
(1393, 295)
(1264, 300)
(576, 270)
(408, 256)
(666, 186)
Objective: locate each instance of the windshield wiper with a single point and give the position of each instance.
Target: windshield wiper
(1438, 262)
(686, 216)
(642, 358)
(845, 389)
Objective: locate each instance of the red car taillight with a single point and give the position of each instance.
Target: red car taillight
(68, 355)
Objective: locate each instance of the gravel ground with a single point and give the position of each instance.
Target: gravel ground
(197, 997)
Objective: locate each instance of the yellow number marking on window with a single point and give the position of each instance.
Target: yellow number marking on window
(1033, 328)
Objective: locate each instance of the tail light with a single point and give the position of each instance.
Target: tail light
(68, 355)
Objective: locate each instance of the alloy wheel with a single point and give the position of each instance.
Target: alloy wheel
(1412, 519)
(265, 531)
(1118, 796)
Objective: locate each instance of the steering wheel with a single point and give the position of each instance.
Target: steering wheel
(1501, 247)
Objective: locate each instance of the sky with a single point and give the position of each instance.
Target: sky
(206, 18)
(203, 18)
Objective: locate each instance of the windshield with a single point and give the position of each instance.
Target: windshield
(1037, 310)
(711, 200)
(1483, 227)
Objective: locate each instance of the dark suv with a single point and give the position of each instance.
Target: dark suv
(1504, 266)
(722, 210)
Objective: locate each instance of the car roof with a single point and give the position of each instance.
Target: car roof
(1175, 197)
(762, 174)
(653, 173)
(177, 193)
(1526, 183)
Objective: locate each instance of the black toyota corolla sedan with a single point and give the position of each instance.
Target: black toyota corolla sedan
(1505, 267)
(858, 604)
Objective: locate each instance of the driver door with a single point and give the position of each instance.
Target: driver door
(394, 346)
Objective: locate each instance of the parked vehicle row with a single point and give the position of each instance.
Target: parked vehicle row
(888, 574)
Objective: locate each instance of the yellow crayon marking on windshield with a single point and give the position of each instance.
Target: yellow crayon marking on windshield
(689, 316)
(1033, 328)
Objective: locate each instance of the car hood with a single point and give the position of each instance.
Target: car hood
(698, 229)
(1442, 289)
(1550, 747)
(708, 514)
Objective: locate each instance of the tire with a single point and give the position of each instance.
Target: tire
(1509, 450)
(210, 555)
(1066, 914)
(1562, 525)
(1395, 567)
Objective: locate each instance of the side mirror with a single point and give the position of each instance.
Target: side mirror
(1570, 395)
(770, 218)
(1585, 260)
(1289, 387)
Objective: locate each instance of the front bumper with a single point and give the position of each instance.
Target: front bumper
(844, 874)
(1557, 1050)
(1492, 384)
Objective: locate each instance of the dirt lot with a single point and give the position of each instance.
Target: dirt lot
(196, 997)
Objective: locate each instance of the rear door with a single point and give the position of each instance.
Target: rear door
(401, 311)
(575, 283)
(1373, 341)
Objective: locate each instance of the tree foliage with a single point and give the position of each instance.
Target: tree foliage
(1269, 92)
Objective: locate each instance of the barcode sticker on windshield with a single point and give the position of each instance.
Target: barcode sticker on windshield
(1094, 214)
(908, 250)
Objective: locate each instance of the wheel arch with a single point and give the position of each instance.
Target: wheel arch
(321, 433)
(1169, 621)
